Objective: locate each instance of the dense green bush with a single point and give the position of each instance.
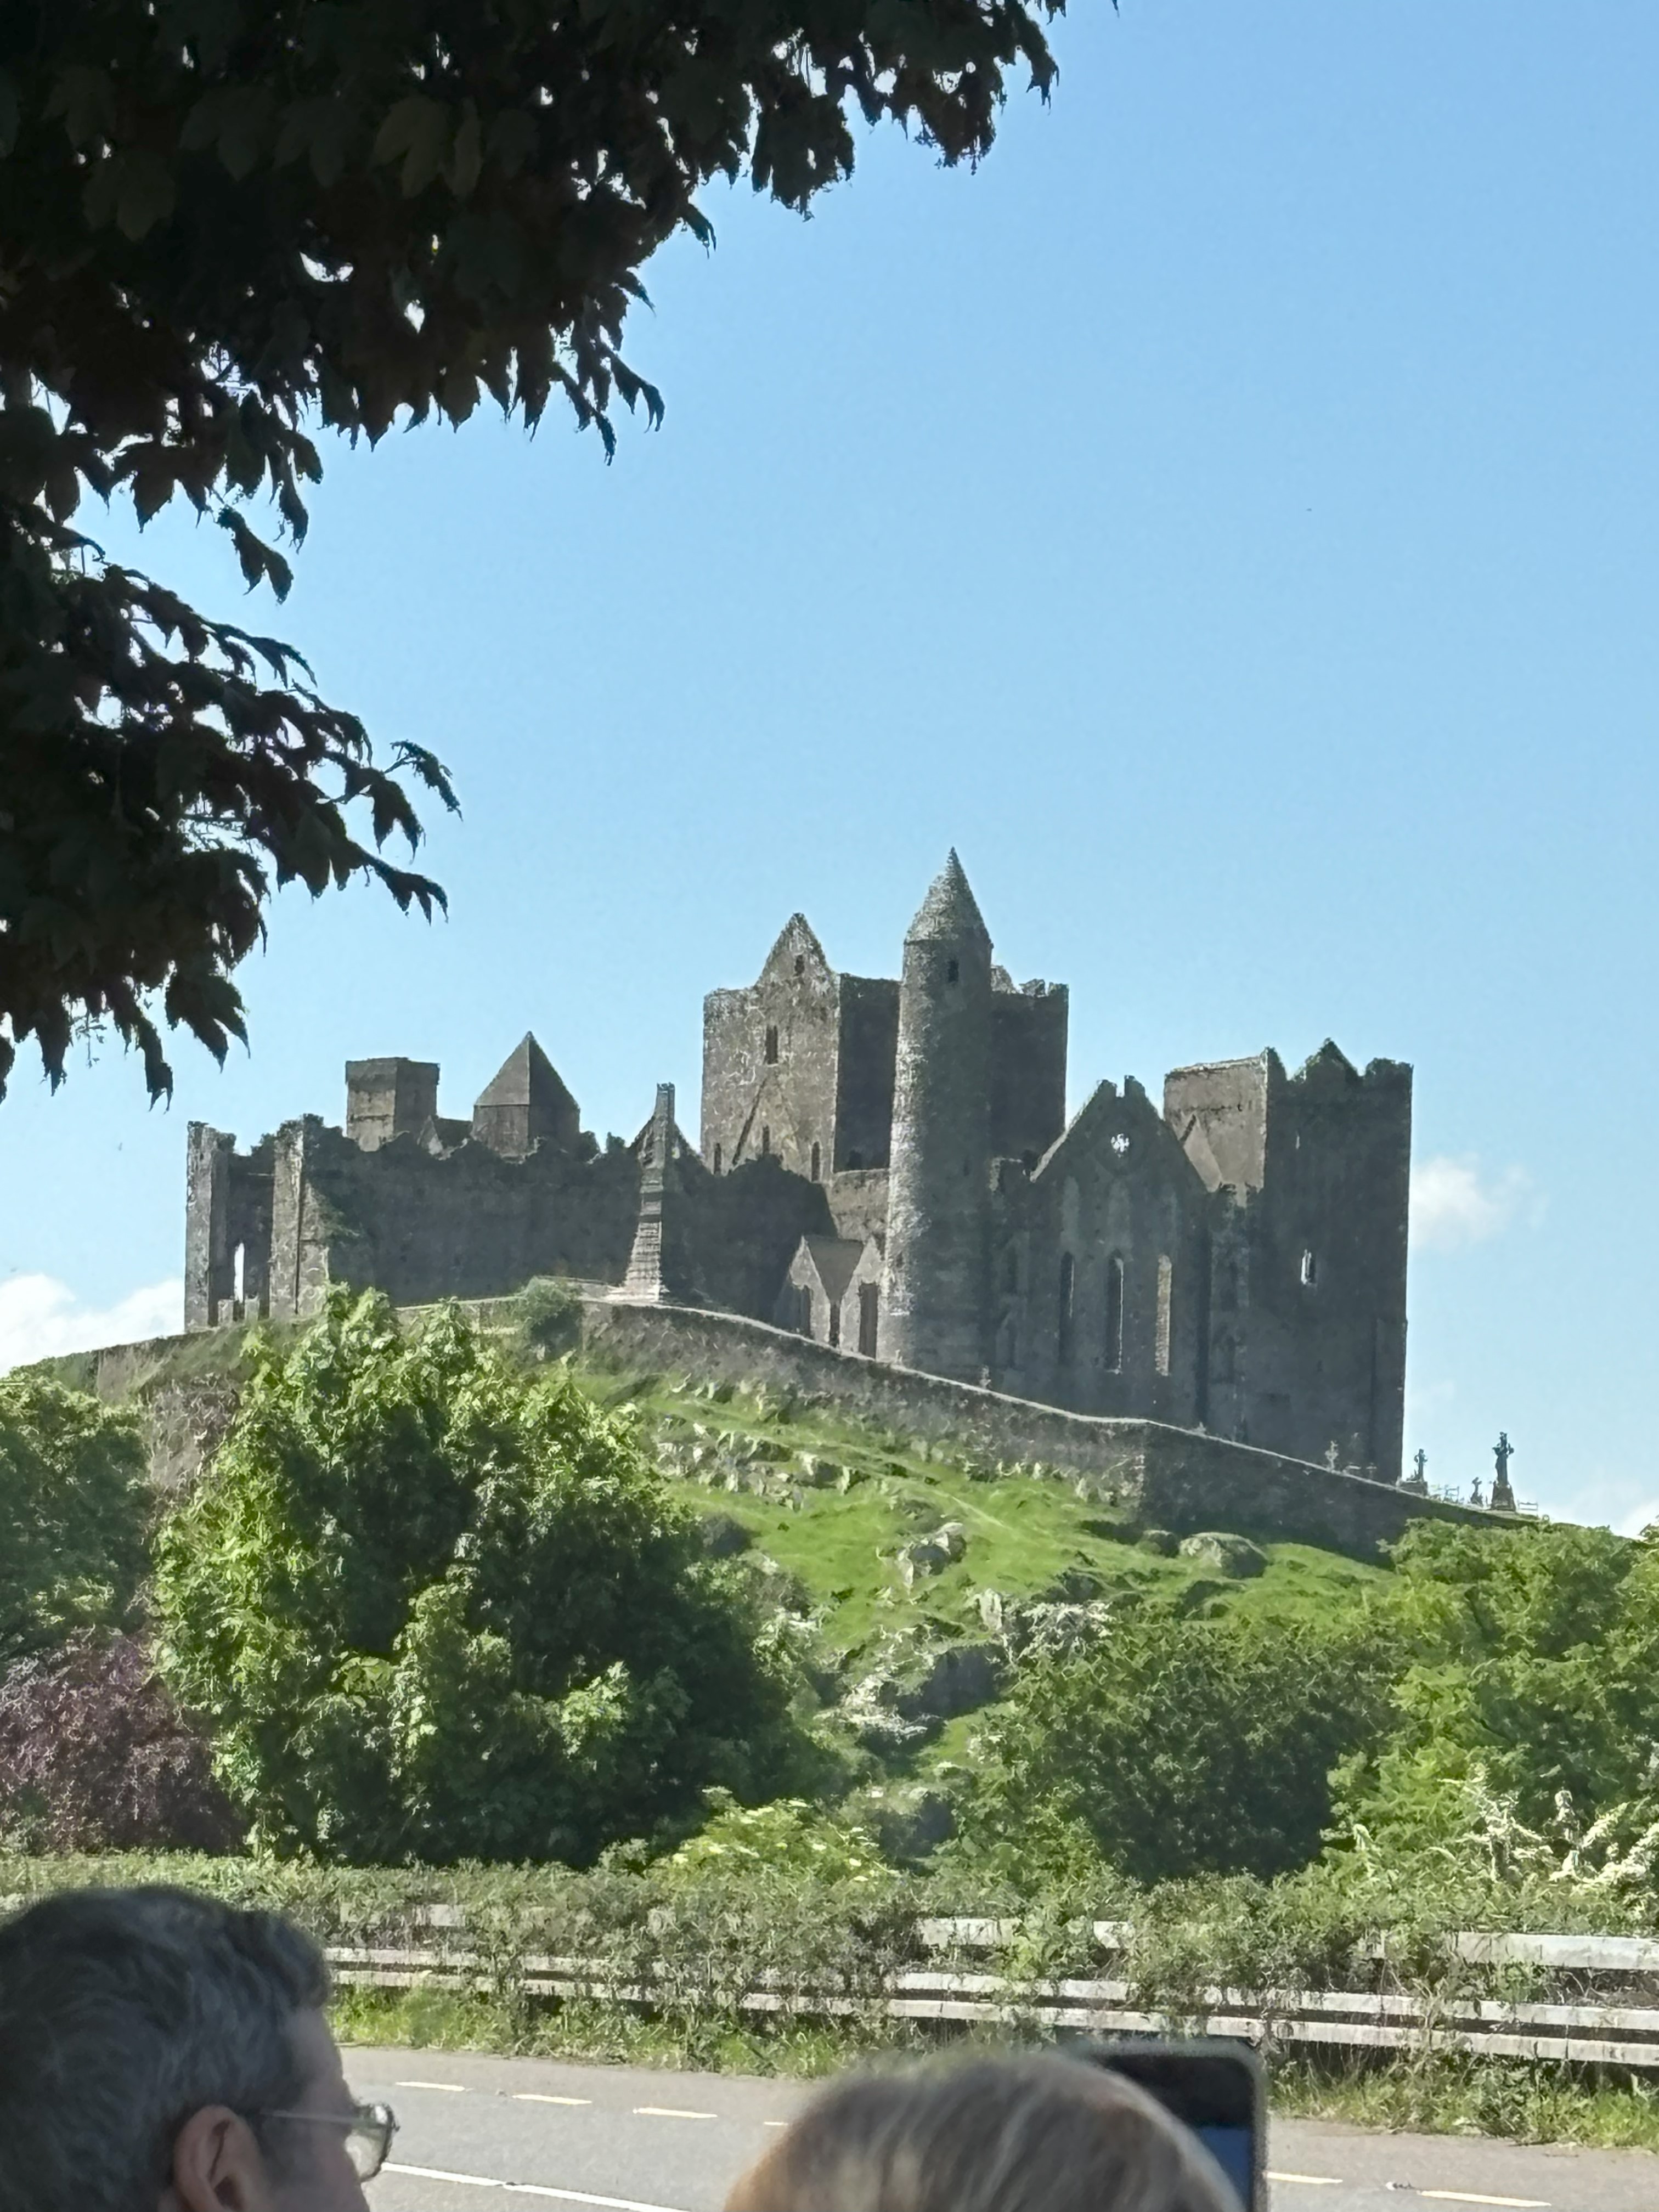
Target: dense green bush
(1180, 1746)
(433, 1610)
(73, 1509)
(1530, 1671)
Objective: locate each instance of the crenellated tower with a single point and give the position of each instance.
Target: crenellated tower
(934, 1299)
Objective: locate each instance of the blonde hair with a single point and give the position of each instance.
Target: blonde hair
(1036, 2134)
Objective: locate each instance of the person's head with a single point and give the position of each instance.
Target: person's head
(1034, 2134)
(162, 2052)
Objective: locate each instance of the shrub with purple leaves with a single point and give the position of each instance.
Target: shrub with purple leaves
(94, 1755)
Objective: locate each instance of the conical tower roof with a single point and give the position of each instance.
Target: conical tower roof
(949, 911)
(525, 1102)
(527, 1078)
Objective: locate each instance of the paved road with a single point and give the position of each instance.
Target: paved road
(624, 2139)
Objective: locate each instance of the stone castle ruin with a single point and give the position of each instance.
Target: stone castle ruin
(885, 1166)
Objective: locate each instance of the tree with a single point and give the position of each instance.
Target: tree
(1535, 1670)
(433, 1610)
(73, 1504)
(222, 225)
(1182, 1747)
(96, 1757)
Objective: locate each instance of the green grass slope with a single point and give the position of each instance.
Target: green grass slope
(833, 1503)
(826, 1505)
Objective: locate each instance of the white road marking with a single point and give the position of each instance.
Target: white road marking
(1475, 2196)
(539, 2097)
(455, 2088)
(671, 2112)
(528, 2189)
(1308, 2180)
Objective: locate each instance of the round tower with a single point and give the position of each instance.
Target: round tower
(935, 1302)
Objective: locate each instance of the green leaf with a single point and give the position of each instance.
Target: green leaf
(236, 120)
(513, 138)
(417, 130)
(85, 98)
(321, 131)
(145, 194)
(467, 158)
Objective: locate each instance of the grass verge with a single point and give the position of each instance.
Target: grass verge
(1438, 2095)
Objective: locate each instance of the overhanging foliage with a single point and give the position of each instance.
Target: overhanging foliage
(223, 225)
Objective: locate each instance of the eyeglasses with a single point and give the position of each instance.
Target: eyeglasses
(368, 2132)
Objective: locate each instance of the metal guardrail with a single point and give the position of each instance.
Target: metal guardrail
(1614, 2034)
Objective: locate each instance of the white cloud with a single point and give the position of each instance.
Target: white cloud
(39, 1316)
(1644, 1516)
(1455, 1202)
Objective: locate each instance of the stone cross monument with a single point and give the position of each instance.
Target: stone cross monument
(1503, 1498)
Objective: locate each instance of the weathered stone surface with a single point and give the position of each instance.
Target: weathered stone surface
(1201, 1596)
(933, 1554)
(1224, 1554)
(186, 1422)
(910, 1683)
(957, 1678)
(1163, 1541)
(816, 1473)
(1042, 1631)
(1074, 1586)
(724, 1535)
(1042, 1626)
(871, 1711)
(886, 1166)
(992, 1609)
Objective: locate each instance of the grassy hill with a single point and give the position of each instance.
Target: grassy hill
(885, 1550)
(835, 1503)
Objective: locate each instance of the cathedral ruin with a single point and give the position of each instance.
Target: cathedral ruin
(885, 1166)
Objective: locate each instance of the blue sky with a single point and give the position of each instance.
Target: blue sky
(1228, 518)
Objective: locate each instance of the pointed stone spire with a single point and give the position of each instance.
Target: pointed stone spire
(949, 909)
(526, 1104)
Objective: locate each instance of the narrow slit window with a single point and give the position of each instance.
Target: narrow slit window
(817, 1163)
(835, 1326)
(766, 1141)
(869, 1317)
(1309, 1268)
(1114, 1315)
(772, 1044)
(952, 971)
(1067, 1290)
(1165, 1300)
(717, 1159)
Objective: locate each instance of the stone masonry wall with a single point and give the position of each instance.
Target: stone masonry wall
(1171, 1478)
(1028, 1070)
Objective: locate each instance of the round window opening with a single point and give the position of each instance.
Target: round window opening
(1120, 1144)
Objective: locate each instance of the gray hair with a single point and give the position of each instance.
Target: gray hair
(122, 2012)
(1036, 2134)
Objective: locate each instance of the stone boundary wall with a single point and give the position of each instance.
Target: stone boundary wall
(1169, 1477)
(1175, 1478)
